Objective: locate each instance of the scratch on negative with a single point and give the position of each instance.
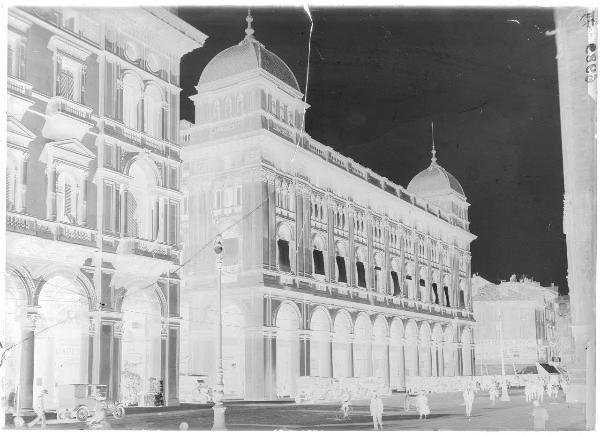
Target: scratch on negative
(307, 10)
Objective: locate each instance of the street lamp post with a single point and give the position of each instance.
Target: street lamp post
(505, 397)
(218, 408)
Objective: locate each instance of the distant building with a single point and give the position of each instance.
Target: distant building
(526, 313)
(566, 344)
(92, 201)
(330, 270)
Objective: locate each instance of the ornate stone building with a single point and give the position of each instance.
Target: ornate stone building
(330, 270)
(93, 201)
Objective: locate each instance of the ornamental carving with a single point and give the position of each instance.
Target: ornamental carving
(164, 330)
(118, 329)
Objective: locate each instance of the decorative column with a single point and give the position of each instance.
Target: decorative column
(304, 337)
(434, 365)
(386, 363)
(81, 214)
(387, 259)
(92, 332)
(351, 270)
(28, 358)
(350, 372)
(51, 192)
(270, 362)
(370, 267)
(402, 364)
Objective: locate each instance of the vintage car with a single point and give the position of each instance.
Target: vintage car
(80, 401)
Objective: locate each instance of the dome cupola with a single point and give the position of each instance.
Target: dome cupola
(248, 55)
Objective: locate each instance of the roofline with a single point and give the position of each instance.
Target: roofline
(177, 23)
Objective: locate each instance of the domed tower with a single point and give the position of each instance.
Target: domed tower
(441, 188)
(246, 79)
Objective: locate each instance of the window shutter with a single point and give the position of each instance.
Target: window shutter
(67, 84)
(132, 226)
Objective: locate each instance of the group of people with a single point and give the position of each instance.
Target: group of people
(534, 390)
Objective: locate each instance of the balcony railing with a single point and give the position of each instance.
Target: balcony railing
(138, 138)
(17, 86)
(72, 108)
(65, 232)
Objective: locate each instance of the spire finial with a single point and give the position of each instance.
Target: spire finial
(249, 29)
(433, 157)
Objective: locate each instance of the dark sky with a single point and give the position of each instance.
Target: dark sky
(377, 78)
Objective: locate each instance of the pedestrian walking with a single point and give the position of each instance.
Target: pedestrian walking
(493, 393)
(40, 410)
(376, 408)
(423, 405)
(540, 416)
(469, 398)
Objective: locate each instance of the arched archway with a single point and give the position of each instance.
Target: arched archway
(437, 357)
(449, 351)
(425, 350)
(285, 245)
(411, 348)
(141, 346)
(466, 352)
(61, 345)
(287, 349)
(342, 345)
(362, 346)
(380, 350)
(15, 311)
(320, 343)
(397, 379)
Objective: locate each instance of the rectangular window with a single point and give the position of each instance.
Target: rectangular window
(228, 200)
(378, 281)
(396, 283)
(66, 84)
(447, 296)
(421, 283)
(108, 156)
(318, 262)
(341, 265)
(107, 208)
(174, 179)
(435, 293)
(219, 199)
(360, 271)
(284, 255)
(461, 299)
(173, 223)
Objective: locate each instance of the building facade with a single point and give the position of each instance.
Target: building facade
(330, 270)
(577, 32)
(516, 318)
(93, 201)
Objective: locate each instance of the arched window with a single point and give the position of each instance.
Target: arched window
(228, 107)
(318, 256)
(66, 198)
(360, 269)
(216, 110)
(340, 260)
(284, 238)
(132, 95)
(395, 273)
(142, 210)
(239, 104)
(153, 111)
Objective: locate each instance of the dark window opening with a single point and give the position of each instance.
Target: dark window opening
(284, 255)
(360, 271)
(341, 265)
(461, 299)
(396, 283)
(319, 262)
(447, 296)
(421, 283)
(377, 278)
(435, 293)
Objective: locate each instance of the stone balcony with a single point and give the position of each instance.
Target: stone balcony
(61, 231)
(19, 97)
(67, 119)
(120, 131)
(148, 248)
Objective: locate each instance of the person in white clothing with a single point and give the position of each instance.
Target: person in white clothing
(376, 408)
